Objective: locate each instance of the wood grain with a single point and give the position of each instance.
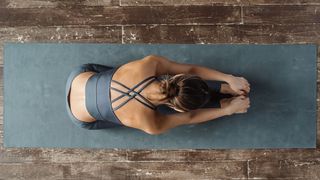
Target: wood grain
(100, 15)
(253, 33)
(75, 155)
(271, 14)
(56, 3)
(216, 2)
(289, 169)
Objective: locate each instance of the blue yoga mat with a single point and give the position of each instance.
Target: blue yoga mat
(283, 96)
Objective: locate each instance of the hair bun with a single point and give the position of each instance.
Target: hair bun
(173, 90)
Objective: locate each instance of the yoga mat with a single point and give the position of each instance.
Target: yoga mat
(283, 96)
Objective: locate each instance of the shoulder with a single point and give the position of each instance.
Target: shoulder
(149, 60)
(139, 67)
(145, 120)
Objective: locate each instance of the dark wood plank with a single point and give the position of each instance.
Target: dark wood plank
(98, 34)
(254, 33)
(289, 169)
(171, 170)
(60, 155)
(119, 15)
(177, 2)
(55, 3)
(74, 155)
(216, 2)
(227, 154)
(124, 170)
(270, 14)
(280, 2)
(34, 171)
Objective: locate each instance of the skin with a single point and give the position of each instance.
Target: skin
(153, 122)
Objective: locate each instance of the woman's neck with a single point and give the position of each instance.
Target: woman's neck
(153, 94)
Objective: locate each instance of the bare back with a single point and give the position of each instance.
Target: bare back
(130, 74)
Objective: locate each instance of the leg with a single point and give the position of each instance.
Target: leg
(215, 88)
(225, 89)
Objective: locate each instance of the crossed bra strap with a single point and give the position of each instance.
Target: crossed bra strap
(135, 93)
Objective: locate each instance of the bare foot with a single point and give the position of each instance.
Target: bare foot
(225, 89)
(226, 101)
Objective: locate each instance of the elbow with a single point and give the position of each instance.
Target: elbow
(153, 131)
(154, 128)
(192, 70)
(151, 56)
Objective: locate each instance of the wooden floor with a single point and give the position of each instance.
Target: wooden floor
(156, 21)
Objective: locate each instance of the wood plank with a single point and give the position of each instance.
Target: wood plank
(271, 14)
(170, 170)
(205, 34)
(34, 170)
(289, 169)
(177, 2)
(280, 2)
(215, 2)
(226, 154)
(98, 34)
(11, 17)
(60, 155)
(55, 3)
(126, 170)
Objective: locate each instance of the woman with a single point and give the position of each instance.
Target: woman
(100, 97)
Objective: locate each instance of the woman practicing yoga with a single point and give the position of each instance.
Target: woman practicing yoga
(100, 97)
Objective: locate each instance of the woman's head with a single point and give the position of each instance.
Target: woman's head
(184, 92)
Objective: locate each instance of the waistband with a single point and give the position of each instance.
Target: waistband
(77, 70)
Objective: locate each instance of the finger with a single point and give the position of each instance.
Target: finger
(245, 79)
(241, 93)
(244, 91)
(242, 97)
(247, 89)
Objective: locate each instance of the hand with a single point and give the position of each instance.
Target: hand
(239, 85)
(239, 104)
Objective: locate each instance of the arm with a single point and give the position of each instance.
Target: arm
(165, 65)
(163, 122)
